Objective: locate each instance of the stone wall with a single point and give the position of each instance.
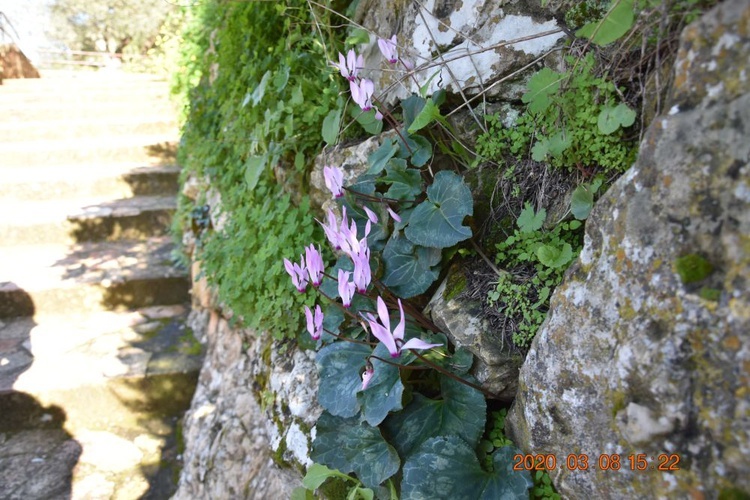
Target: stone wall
(646, 349)
(631, 359)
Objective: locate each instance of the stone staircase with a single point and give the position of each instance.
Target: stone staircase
(96, 364)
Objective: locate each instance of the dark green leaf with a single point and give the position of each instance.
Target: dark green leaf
(351, 446)
(411, 107)
(385, 390)
(406, 183)
(379, 158)
(408, 270)
(438, 221)
(340, 365)
(615, 24)
(447, 467)
(421, 150)
(461, 412)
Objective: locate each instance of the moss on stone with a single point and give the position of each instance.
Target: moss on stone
(711, 294)
(692, 268)
(455, 284)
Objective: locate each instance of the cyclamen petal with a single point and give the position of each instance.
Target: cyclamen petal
(334, 179)
(371, 215)
(393, 215)
(362, 271)
(418, 344)
(384, 335)
(298, 274)
(388, 49)
(362, 93)
(331, 230)
(346, 288)
(367, 376)
(314, 324)
(315, 265)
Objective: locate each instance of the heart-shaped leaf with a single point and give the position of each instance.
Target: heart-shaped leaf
(553, 256)
(406, 183)
(542, 85)
(385, 390)
(447, 467)
(461, 412)
(339, 366)
(438, 221)
(352, 446)
(379, 158)
(612, 118)
(409, 268)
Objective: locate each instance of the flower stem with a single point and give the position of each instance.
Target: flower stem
(454, 376)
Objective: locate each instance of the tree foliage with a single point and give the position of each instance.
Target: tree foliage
(114, 26)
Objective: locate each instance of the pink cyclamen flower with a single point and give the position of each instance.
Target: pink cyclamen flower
(334, 179)
(394, 215)
(298, 274)
(315, 265)
(346, 288)
(314, 324)
(372, 216)
(362, 93)
(367, 376)
(388, 49)
(394, 341)
(349, 66)
(362, 271)
(332, 230)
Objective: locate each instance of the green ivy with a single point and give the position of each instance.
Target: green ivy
(258, 100)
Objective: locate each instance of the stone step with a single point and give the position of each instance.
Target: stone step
(43, 280)
(76, 84)
(96, 91)
(117, 107)
(86, 181)
(134, 148)
(69, 129)
(114, 383)
(65, 221)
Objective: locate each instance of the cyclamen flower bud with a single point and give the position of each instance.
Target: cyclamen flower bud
(334, 179)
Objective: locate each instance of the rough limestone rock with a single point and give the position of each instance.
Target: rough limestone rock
(496, 363)
(474, 43)
(252, 409)
(646, 349)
